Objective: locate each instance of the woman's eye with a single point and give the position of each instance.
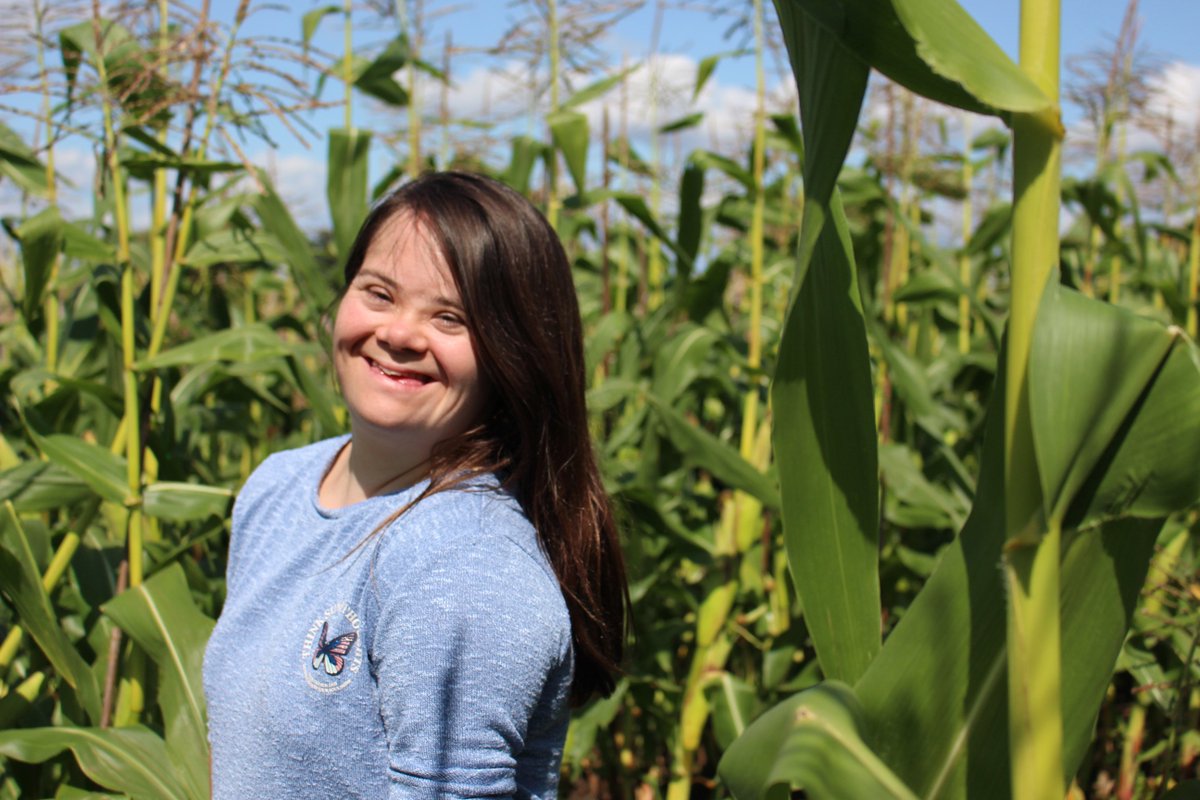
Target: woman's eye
(450, 319)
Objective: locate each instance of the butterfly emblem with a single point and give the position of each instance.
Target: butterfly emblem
(331, 653)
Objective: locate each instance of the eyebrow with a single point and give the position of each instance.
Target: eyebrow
(391, 284)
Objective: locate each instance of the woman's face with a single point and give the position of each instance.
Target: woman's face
(401, 347)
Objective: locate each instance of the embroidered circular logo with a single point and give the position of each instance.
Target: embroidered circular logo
(332, 654)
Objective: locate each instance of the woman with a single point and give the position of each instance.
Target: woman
(412, 607)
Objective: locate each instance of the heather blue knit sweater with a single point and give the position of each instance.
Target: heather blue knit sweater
(433, 662)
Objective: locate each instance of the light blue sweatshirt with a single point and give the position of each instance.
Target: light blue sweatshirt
(435, 661)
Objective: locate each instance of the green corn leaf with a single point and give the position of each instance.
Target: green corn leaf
(569, 130)
(160, 616)
(710, 453)
(596, 89)
(21, 583)
(683, 123)
(525, 152)
(41, 238)
(140, 89)
(636, 206)
(813, 741)
(254, 342)
(91, 463)
(734, 704)
(691, 217)
(587, 723)
(932, 47)
(79, 243)
(725, 165)
(824, 431)
(278, 221)
(928, 285)
(234, 246)
(184, 502)
(310, 21)
(682, 359)
(143, 164)
(706, 68)
(1111, 389)
(131, 760)
(346, 184)
(319, 395)
(375, 77)
(607, 334)
(41, 486)
(935, 699)
(19, 163)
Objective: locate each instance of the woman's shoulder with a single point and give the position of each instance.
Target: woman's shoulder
(287, 468)
(477, 529)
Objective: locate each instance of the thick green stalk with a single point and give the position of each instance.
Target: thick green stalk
(183, 237)
(748, 509)
(131, 420)
(50, 304)
(414, 103)
(1032, 553)
(964, 259)
(158, 225)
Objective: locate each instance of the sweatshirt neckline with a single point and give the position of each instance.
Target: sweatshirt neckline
(325, 456)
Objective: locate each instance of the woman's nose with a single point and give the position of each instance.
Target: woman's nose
(401, 332)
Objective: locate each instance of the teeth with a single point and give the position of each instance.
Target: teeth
(392, 374)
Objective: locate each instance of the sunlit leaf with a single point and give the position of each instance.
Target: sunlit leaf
(91, 463)
(132, 760)
(813, 741)
(932, 47)
(160, 616)
(824, 431)
(1113, 392)
(569, 129)
(254, 342)
(183, 502)
(346, 184)
(41, 486)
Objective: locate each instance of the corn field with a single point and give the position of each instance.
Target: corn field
(901, 414)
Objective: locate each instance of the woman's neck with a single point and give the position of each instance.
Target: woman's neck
(360, 471)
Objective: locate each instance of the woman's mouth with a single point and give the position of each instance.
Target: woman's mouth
(399, 375)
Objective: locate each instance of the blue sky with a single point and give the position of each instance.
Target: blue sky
(1168, 30)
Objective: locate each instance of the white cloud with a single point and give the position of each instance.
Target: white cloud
(657, 91)
(299, 179)
(1175, 94)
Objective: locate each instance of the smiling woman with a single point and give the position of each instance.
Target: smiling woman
(404, 360)
(457, 544)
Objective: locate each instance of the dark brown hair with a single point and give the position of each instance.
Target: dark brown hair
(516, 289)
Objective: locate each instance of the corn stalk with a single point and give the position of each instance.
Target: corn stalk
(1032, 553)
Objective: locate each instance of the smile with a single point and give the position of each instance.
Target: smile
(398, 375)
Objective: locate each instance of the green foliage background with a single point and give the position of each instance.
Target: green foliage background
(147, 369)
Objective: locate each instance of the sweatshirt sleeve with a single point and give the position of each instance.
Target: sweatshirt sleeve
(471, 645)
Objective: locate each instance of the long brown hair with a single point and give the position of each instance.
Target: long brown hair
(516, 289)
